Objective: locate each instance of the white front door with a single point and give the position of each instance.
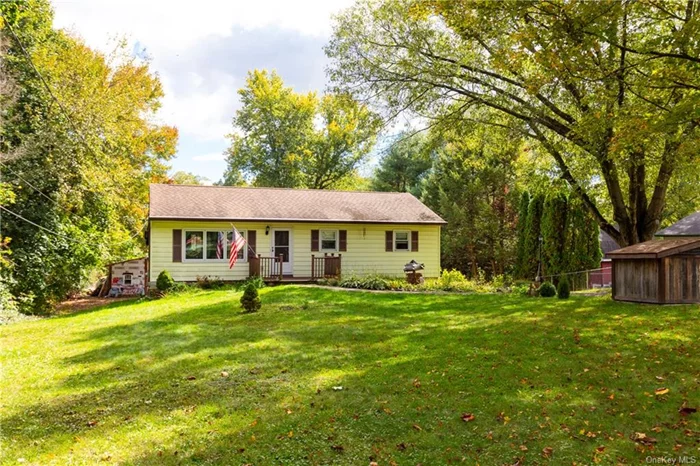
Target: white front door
(282, 244)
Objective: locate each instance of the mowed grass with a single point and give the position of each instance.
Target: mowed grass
(546, 381)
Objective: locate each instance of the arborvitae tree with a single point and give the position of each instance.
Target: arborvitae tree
(532, 235)
(521, 258)
(583, 244)
(250, 301)
(554, 232)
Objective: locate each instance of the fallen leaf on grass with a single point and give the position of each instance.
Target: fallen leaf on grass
(547, 452)
(642, 438)
(416, 383)
(417, 427)
(600, 449)
(91, 423)
(502, 418)
(224, 374)
(466, 417)
(191, 377)
(401, 446)
(661, 391)
(523, 448)
(686, 410)
(338, 448)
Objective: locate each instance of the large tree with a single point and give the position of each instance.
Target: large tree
(79, 148)
(609, 89)
(285, 139)
(472, 185)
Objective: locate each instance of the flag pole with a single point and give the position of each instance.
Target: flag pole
(246, 241)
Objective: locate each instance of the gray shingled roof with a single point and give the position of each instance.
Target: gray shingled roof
(279, 204)
(687, 226)
(607, 244)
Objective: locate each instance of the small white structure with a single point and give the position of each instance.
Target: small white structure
(128, 278)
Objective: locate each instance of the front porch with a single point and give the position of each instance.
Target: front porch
(271, 268)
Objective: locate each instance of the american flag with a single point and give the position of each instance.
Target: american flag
(221, 245)
(237, 242)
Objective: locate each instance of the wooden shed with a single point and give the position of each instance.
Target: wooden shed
(126, 278)
(657, 271)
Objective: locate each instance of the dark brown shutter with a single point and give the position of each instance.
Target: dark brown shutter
(389, 241)
(343, 240)
(252, 241)
(414, 241)
(314, 240)
(177, 245)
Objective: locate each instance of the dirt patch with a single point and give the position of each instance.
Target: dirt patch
(85, 303)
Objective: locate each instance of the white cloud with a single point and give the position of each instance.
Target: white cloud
(201, 113)
(202, 51)
(209, 157)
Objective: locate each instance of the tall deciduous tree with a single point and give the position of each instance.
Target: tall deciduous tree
(285, 139)
(79, 155)
(183, 177)
(609, 89)
(404, 166)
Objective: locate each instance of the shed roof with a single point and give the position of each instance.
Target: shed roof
(687, 226)
(280, 204)
(656, 249)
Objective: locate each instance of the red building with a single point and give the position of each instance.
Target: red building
(603, 277)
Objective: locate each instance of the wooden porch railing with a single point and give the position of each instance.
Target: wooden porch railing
(269, 268)
(326, 266)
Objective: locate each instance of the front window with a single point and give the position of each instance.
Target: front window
(242, 250)
(127, 278)
(401, 241)
(211, 245)
(194, 245)
(217, 244)
(329, 240)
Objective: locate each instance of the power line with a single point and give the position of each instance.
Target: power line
(39, 226)
(58, 102)
(61, 207)
(30, 185)
(75, 129)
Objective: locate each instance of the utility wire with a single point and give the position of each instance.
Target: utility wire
(29, 184)
(60, 206)
(39, 226)
(73, 126)
(58, 102)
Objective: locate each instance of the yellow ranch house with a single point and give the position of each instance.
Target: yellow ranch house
(291, 234)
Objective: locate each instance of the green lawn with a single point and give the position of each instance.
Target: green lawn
(141, 383)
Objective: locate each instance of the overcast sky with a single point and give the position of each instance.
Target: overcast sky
(202, 51)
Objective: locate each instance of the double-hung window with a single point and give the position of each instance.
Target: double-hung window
(211, 245)
(402, 241)
(329, 240)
